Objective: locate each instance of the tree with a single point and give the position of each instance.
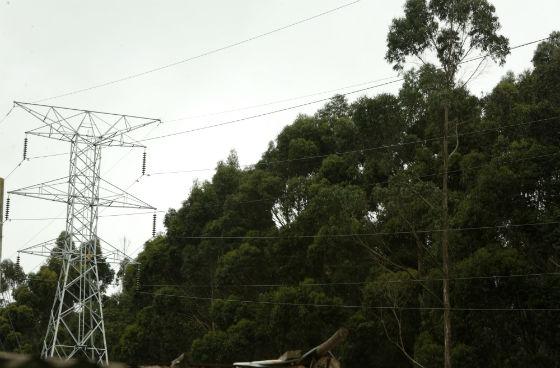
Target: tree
(327, 231)
(452, 30)
(408, 205)
(12, 276)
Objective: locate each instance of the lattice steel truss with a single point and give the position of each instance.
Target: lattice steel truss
(76, 328)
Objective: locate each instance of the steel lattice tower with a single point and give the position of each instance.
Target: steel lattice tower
(76, 328)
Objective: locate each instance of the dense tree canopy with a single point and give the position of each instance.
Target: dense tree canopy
(338, 225)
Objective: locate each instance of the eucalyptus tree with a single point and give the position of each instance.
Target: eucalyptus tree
(446, 32)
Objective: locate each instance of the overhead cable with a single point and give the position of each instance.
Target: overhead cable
(311, 102)
(6, 115)
(360, 283)
(365, 149)
(326, 91)
(250, 107)
(271, 198)
(206, 53)
(380, 233)
(505, 160)
(266, 113)
(349, 306)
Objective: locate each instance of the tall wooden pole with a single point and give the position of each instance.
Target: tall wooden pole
(445, 246)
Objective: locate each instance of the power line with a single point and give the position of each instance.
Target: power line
(383, 147)
(272, 198)
(129, 151)
(276, 111)
(532, 42)
(39, 279)
(259, 115)
(229, 122)
(396, 281)
(31, 159)
(398, 80)
(280, 101)
(48, 155)
(331, 90)
(266, 113)
(14, 169)
(510, 49)
(206, 53)
(311, 102)
(419, 177)
(336, 153)
(349, 306)
(64, 218)
(381, 233)
(366, 149)
(359, 283)
(6, 115)
(451, 172)
(344, 305)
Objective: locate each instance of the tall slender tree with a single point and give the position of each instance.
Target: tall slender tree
(446, 32)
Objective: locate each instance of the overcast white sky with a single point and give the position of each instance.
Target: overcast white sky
(48, 48)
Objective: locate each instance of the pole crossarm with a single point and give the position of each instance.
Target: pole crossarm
(76, 327)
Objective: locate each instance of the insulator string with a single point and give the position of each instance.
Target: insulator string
(144, 163)
(7, 216)
(25, 142)
(154, 225)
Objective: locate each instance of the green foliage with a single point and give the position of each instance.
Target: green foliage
(12, 275)
(450, 29)
(326, 231)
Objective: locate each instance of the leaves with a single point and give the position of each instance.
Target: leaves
(452, 30)
(342, 216)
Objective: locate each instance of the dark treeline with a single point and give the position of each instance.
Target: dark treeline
(339, 225)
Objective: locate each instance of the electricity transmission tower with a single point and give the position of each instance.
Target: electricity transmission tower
(76, 328)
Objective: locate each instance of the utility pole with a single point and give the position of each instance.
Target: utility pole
(76, 328)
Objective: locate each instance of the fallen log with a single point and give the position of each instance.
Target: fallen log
(318, 357)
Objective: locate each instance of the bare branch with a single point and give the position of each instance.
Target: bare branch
(399, 345)
(457, 137)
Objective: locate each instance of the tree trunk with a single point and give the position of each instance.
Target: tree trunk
(445, 247)
(419, 254)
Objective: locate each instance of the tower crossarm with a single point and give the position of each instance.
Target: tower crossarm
(93, 127)
(56, 191)
(108, 253)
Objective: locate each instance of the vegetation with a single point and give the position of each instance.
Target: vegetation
(340, 224)
(452, 30)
